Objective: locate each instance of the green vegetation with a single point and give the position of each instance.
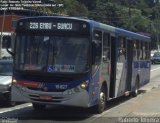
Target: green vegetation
(134, 15)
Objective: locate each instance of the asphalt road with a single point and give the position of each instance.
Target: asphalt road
(144, 105)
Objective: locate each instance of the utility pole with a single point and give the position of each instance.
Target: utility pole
(1, 34)
(156, 23)
(129, 12)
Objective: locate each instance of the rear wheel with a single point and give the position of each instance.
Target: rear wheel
(37, 106)
(135, 93)
(100, 107)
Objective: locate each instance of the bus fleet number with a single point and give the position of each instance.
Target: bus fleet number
(33, 26)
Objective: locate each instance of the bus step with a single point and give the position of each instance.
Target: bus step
(127, 93)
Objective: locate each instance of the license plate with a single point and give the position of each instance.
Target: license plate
(45, 97)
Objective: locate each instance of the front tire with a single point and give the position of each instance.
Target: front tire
(100, 107)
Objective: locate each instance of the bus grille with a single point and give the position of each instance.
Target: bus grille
(54, 99)
(41, 89)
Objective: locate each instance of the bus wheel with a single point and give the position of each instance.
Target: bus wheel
(135, 93)
(37, 106)
(100, 107)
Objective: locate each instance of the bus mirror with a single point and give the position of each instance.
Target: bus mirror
(7, 43)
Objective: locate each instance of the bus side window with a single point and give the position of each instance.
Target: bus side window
(135, 51)
(138, 49)
(121, 49)
(106, 47)
(147, 51)
(97, 47)
(144, 50)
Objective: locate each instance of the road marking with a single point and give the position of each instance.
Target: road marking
(155, 69)
(15, 108)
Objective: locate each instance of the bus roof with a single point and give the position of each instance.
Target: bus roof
(132, 34)
(95, 24)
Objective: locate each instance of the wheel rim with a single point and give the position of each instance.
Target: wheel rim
(102, 98)
(102, 101)
(136, 91)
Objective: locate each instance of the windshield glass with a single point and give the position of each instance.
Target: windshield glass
(6, 69)
(52, 53)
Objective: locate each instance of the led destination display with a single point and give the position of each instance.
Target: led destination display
(53, 26)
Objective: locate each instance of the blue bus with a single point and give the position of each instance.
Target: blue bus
(77, 62)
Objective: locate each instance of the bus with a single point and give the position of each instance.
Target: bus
(69, 61)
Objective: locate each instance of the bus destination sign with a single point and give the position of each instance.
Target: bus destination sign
(53, 26)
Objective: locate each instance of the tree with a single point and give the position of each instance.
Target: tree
(76, 9)
(107, 13)
(90, 4)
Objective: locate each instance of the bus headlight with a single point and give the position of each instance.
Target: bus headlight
(84, 84)
(14, 81)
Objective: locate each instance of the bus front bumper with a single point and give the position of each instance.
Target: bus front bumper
(22, 94)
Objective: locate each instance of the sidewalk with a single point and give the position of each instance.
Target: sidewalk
(142, 109)
(149, 87)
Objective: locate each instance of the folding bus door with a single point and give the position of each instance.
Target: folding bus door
(129, 64)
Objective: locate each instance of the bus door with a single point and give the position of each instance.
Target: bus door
(105, 73)
(121, 67)
(129, 64)
(113, 67)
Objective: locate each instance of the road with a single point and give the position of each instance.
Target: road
(119, 110)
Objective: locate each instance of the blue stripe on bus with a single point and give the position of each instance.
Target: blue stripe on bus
(142, 64)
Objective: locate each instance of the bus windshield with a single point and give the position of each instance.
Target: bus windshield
(52, 54)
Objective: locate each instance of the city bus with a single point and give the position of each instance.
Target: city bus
(69, 61)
